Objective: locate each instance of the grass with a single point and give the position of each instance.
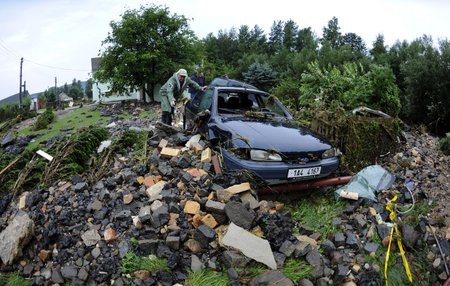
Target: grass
(131, 263)
(318, 212)
(77, 119)
(207, 277)
(418, 265)
(13, 279)
(294, 269)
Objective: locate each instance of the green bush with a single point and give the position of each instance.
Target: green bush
(44, 120)
(444, 144)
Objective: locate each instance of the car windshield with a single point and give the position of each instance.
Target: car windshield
(248, 103)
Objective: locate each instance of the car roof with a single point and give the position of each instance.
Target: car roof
(226, 82)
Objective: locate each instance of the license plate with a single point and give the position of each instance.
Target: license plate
(303, 172)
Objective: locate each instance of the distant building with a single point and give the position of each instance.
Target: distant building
(65, 99)
(101, 92)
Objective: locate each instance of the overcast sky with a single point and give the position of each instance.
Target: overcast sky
(58, 38)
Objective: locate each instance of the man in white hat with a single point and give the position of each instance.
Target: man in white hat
(172, 90)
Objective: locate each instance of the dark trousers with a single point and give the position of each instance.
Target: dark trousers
(166, 117)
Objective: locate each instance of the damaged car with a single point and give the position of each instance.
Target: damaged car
(252, 130)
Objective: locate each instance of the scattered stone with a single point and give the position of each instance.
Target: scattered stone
(15, 236)
(274, 277)
(250, 245)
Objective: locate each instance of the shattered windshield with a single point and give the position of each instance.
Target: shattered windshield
(249, 104)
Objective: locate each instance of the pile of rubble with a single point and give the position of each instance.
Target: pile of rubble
(181, 206)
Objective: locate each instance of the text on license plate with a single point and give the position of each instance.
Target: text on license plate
(303, 172)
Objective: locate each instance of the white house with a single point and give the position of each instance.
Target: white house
(101, 92)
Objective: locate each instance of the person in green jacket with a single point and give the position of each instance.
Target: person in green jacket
(172, 91)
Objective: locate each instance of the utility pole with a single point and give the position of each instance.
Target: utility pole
(20, 88)
(56, 95)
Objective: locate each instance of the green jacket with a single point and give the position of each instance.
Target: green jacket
(172, 91)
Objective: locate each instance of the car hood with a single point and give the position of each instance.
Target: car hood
(285, 136)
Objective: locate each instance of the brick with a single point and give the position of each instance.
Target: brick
(216, 164)
(22, 201)
(167, 152)
(206, 156)
(196, 147)
(192, 207)
(197, 220)
(163, 143)
(194, 172)
(148, 181)
(236, 189)
(209, 221)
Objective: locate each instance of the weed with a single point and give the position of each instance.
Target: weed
(318, 213)
(206, 277)
(44, 120)
(13, 279)
(131, 262)
(296, 269)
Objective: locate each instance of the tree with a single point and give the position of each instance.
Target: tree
(332, 34)
(88, 90)
(290, 32)
(260, 75)
(275, 37)
(379, 51)
(306, 39)
(355, 42)
(144, 48)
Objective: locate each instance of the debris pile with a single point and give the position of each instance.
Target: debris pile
(180, 206)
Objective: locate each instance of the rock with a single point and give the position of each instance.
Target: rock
(305, 282)
(339, 239)
(409, 235)
(204, 234)
(193, 245)
(250, 245)
(56, 276)
(14, 237)
(287, 248)
(90, 237)
(232, 259)
(238, 214)
(313, 257)
(371, 247)
(196, 263)
(274, 277)
(328, 247)
(69, 272)
(110, 235)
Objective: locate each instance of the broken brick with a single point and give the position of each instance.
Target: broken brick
(192, 207)
(236, 189)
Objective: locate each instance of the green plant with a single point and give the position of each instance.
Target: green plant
(317, 212)
(44, 120)
(132, 262)
(444, 144)
(296, 269)
(206, 277)
(13, 279)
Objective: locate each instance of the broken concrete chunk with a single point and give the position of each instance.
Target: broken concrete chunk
(250, 245)
(167, 152)
(236, 189)
(14, 237)
(154, 191)
(206, 156)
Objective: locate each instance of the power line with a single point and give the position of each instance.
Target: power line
(53, 67)
(11, 52)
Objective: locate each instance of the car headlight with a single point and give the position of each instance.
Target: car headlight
(329, 153)
(261, 155)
